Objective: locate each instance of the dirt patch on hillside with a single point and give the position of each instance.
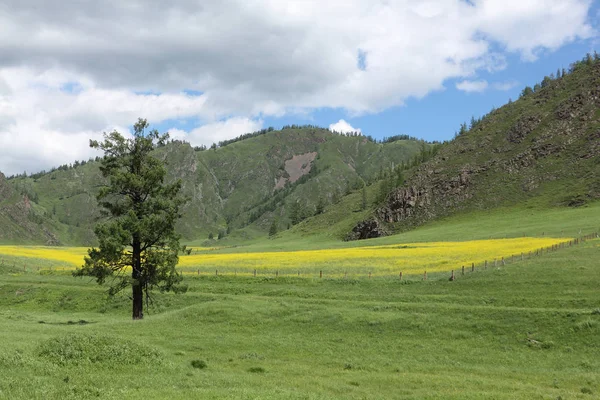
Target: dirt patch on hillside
(295, 168)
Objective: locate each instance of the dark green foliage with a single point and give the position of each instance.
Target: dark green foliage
(256, 370)
(320, 206)
(211, 236)
(199, 364)
(273, 228)
(395, 138)
(526, 91)
(298, 212)
(140, 233)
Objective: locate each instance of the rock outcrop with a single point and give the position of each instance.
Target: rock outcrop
(368, 229)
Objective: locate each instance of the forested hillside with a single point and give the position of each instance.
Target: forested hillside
(274, 178)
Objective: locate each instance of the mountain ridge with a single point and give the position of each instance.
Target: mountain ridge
(242, 186)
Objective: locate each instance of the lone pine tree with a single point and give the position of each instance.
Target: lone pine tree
(139, 233)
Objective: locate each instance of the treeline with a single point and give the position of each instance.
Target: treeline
(223, 143)
(64, 167)
(250, 135)
(245, 136)
(589, 60)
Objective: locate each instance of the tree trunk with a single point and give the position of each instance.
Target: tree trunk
(136, 286)
(138, 300)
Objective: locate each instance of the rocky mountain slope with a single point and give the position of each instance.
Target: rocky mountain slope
(543, 149)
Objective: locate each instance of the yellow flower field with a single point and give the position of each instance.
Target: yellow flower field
(408, 258)
(54, 256)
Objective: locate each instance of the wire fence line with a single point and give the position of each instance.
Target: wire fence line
(454, 274)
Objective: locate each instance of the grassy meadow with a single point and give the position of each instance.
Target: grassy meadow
(527, 329)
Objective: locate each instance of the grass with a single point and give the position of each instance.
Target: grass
(383, 260)
(529, 329)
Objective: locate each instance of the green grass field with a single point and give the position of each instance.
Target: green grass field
(530, 329)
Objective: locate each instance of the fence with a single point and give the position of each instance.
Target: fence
(495, 263)
(467, 268)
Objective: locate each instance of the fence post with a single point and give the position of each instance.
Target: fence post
(400, 275)
(463, 270)
(276, 274)
(320, 274)
(369, 274)
(503, 262)
(472, 267)
(485, 264)
(425, 276)
(216, 272)
(255, 273)
(452, 276)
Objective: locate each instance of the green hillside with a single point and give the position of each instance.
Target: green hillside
(542, 150)
(237, 189)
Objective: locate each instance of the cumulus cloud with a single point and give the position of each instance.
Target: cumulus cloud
(504, 86)
(472, 86)
(72, 69)
(343, 127)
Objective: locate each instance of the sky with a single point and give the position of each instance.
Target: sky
(206, 71)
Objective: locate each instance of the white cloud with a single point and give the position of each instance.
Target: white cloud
(217, 131)
(248, 59)
(472, 86)
(343, 127)
(504, 86)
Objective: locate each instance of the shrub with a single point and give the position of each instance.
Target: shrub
(199, 364)
(256, 370)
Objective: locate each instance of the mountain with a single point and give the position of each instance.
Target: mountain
(543, 150)
(238, 188)
(21, 220)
